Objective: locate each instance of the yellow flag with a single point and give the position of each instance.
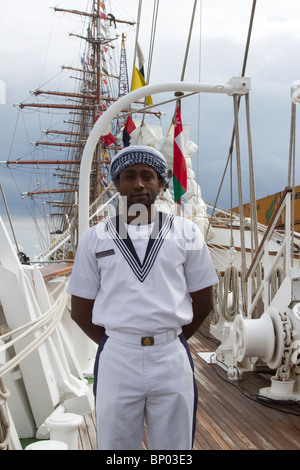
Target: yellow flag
(137, 82)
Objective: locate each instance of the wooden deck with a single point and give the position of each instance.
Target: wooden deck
(229, 417)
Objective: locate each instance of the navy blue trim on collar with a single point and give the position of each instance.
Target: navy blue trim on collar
(117, 230)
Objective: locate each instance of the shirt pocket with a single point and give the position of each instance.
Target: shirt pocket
(105, 258)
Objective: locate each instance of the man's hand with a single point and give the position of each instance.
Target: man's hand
(202, 305)
(81, 313)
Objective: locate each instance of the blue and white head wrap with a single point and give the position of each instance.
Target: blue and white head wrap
(138, 154)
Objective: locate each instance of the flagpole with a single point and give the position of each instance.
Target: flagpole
(136, 38)
(180, 93)
(178, 105)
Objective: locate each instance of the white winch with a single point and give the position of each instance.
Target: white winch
(274, 338)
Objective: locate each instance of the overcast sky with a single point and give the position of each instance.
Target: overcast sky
(35, 42)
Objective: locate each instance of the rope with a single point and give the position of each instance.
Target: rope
(233, 131)
(230, 287)
(199, 97)
(291, 171)
(240, 194)
(153, 32)
(4, 418)
(292, 143)
(179, 95)
(253, 212)
(251, 175)
(152, 38)
(188, 42)
(137, 34)
(52, 316)
(214, 314)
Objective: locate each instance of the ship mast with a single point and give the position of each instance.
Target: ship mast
(123, 82)
(96, 180)
(84, 106)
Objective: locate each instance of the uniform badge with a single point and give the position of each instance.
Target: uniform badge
(103, 254)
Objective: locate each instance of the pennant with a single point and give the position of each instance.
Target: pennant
(179, 163)
(140, 56)
(138, 79)
(128, 128)
(108, 139)
(137, 82)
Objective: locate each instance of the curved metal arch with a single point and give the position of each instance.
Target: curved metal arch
(239, 85)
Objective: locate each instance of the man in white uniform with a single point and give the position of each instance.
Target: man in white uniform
(141, 286)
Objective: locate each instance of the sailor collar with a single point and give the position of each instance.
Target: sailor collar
(117, 230)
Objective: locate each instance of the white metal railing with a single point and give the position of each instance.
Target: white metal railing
(65, 238)
(285, 251)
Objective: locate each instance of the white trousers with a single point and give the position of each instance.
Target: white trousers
(151, 385)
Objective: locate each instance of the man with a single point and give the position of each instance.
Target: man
(141, 286)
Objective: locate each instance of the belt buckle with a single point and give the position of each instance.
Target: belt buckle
(147, 341)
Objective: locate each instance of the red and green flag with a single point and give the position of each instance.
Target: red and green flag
(179, 163)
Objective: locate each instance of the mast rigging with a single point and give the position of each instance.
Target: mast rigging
(85, 105)
(95, 16)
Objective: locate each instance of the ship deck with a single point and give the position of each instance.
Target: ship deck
(229, 416)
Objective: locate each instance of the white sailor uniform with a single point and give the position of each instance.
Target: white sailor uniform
(140, 303)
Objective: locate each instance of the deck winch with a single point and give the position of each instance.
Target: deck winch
(274, 338)
(254, 338)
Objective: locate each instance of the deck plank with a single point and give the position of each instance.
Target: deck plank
(56, 270)
(233, 407)
(87, 433)
(229, 417)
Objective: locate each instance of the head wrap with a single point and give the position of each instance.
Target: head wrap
(138, 154)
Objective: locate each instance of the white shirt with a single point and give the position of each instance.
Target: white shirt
(147, 297)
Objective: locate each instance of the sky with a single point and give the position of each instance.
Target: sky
(35, 42)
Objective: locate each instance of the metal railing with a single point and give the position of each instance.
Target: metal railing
(257, 281)
(62, 244)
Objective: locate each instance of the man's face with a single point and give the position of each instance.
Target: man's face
(140, 184)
